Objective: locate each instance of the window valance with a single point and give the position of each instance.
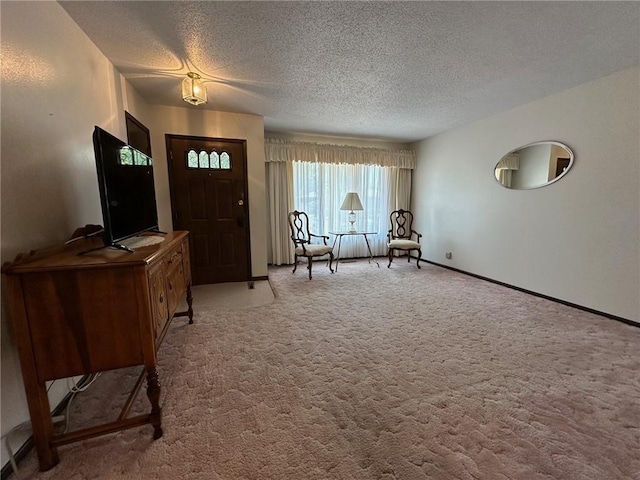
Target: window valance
(277, 150)
(509, 162)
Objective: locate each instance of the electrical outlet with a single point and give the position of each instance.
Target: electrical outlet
(448, 255)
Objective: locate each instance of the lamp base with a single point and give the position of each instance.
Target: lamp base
(352, 222)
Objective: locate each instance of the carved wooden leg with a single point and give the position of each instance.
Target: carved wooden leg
(390, 258)
(295, 264)
(330, 261)
(418, 261)
(189, 304)
(309, 267)
(153, 392)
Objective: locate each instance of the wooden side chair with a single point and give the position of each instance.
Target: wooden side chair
(302, 240)
(401, 235)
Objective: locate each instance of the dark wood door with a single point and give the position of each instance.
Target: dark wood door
(562, 164)
(208, 180)
(138, 135)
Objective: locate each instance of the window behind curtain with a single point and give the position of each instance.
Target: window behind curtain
(320, 188)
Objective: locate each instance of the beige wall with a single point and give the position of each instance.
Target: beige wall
(207, 123)
(161, 120)
(576, 239)
(195, 121)
(56, 86)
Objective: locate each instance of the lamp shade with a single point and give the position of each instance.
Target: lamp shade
(351, 202)
(193, 90)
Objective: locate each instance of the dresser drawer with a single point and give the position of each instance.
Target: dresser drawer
(173, 257)
(157, 291)
(175, 286)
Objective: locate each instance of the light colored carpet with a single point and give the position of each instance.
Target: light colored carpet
(225, 296)
(376, 373)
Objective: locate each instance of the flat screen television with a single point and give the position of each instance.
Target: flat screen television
(127, 190)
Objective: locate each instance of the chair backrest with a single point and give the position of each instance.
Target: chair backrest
(401, 223)
(299, 225)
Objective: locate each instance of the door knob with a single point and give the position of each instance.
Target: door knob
(240, 202)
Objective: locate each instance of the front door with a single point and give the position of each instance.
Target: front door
(208, 181)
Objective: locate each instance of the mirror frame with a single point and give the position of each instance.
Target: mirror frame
(544, 142)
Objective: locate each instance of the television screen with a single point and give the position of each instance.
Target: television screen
(127, 191)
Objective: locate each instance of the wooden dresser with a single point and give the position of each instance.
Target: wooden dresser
(77, 314)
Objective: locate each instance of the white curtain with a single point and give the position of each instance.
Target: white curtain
(400, 189)
(320, 188)
(505, 167)
(504, 176)
(280, 198)
(319, 176)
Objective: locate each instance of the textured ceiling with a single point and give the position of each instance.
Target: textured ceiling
(398, 71)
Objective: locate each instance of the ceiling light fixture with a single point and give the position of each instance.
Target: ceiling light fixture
(193, 90)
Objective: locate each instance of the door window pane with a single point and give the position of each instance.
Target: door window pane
(225, 161)
(203, 161)
(210, 161)
(215, 160)
(192, 159)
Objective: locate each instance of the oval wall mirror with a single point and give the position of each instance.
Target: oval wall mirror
(534, 165)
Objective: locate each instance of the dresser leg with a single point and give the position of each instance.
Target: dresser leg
(189, 304)
(42, 427)
(153, 393)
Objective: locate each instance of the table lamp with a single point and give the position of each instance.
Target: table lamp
(351, 202)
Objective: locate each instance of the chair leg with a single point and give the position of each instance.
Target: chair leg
(419, 256)
(309, 267)
(331, 261)
(295, 264)
(409, 256)
(390, 257)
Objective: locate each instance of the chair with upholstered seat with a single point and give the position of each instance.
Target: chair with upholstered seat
(302, 240)
(400, 237)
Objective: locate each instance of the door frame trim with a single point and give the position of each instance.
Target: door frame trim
(243, 143)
